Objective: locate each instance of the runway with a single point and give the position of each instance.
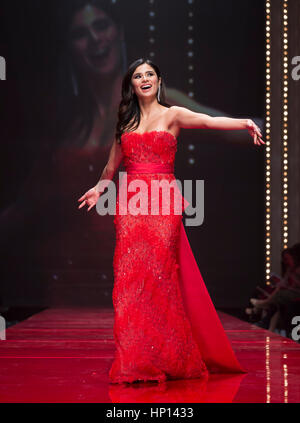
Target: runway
(64, 354)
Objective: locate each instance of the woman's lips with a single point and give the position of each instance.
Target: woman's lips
(99, 56)
(146, 89)
(100, 52)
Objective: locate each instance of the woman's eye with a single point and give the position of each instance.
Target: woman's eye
(150, 74)
(81, 31)
(101, 24)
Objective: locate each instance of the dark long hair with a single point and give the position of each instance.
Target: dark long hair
(129, 109)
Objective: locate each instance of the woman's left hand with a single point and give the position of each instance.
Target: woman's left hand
(255, 132)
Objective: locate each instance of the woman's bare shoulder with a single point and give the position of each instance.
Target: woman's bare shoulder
(173, 111)
(171, 120)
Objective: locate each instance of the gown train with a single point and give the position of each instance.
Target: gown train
(165, 324)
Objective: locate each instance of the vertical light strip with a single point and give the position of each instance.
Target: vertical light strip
(151, 29)
(190, 50)
(285, 232)
(191, 67)
(285, 380)
(268, 141)
(268, 371)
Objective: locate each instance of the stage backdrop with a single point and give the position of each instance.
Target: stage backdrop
(58, 114)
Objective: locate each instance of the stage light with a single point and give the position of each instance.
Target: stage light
(268, 146)
(190, 53)
(151, 28)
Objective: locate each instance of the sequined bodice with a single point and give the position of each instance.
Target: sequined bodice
(154, 146)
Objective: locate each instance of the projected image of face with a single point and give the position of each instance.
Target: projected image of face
(95, 40)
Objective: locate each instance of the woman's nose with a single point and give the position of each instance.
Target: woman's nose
(93, 35)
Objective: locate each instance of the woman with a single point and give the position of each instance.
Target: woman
(165, 324)
(77, 109)
(73, 132)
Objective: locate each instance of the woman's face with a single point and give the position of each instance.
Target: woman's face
(145, 75)
(95, 40)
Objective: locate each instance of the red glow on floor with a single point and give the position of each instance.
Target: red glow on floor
(64, 355)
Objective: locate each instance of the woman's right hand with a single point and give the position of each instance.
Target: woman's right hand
(90, 198)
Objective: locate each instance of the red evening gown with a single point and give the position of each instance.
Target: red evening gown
(165, 325)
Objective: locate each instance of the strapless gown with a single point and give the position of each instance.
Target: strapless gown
(165, 324)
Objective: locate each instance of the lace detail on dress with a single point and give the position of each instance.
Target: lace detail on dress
(153, 146)
(152, 333)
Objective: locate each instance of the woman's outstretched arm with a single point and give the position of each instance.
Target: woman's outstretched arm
(91, 197)
(186, 118)
(114, 161)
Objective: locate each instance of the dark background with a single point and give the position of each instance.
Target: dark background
(53, 255)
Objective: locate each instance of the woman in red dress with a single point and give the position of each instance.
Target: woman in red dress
(165, 325)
